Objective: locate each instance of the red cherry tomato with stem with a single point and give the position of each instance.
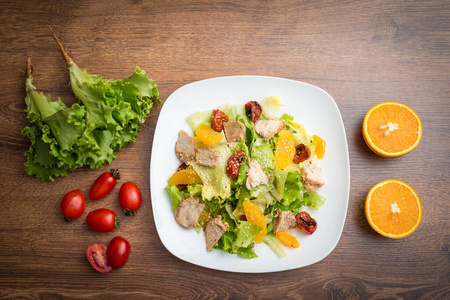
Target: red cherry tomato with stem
(97, 257)
(104, 184)
(130, 198)
(102, 220)
(118, 252)
(73, 204)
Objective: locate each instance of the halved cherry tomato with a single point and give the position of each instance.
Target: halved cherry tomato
(73, 204)
(218, 117)
(234, 164)
(97, 257)
(104, 184)
(306, 222)
(102, 220)
(302, 153)
(130, 198)
(118, 252)
(253, 110)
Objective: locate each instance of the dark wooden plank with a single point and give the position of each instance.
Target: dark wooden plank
(360, 52)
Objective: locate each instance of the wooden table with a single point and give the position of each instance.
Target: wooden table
(361, 52)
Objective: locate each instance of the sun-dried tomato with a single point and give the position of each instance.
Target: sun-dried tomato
(234, 164)
(302, 153)
(306, 222)
(218, 117)
(253, 110)
(183, 166)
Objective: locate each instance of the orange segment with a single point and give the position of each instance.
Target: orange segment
(187, 176)
(285, 151)
(392, 129)
(288, 240)
(255, 216)
(206, 135)
(393, 209)
(320, 146)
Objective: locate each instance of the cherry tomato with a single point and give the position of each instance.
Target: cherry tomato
(97, 257)
(302, 153)
(218, 117)
(73, 204)
(306, 222)
(102, 220)
(118, 252)
(130, 198)
(234, 164)
(104, 184)
(253, 110)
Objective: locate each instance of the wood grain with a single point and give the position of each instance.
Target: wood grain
(361, 52)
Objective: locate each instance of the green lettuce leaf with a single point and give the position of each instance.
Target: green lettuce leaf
(216, 183)
(245, 234)
(292, 188)
(175, 195)
(106, 118)
(299, 132)
(279, 183)
(196, 119)
(262, 152)
(270, 106)
(271, 240)
(247, 253)
(313, 199)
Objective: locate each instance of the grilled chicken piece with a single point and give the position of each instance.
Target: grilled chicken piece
(312, 178)
(283, 220)
(188, 212)
(255, 175)
(185, 147)
(207, 157)
(214, 230)
(234, 131)
(268, 128)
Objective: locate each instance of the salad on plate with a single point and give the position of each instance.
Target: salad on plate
(246, 177)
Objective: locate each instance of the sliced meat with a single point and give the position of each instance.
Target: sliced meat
(255, 175)
(283, 220)
(185, 147)
(312, 178)
(207, 157)
(188, 212)
(214, 230)
(268, 128)
(234, 131)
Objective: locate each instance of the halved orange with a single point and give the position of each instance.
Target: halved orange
(392, 129)
(393, 209)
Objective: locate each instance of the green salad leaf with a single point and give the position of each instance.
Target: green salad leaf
(216, 183)
(106, 118)
(175, 195)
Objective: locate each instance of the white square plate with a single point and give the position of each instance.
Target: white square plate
(310, 106)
